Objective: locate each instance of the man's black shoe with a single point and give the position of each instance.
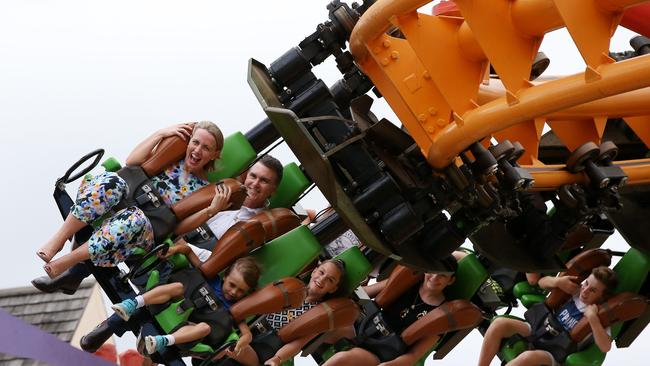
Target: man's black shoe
(93, 340)
(67, 282)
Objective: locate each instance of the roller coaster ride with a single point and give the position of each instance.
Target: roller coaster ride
(484, 145)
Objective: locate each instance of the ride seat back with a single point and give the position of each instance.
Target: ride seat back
(357, 268)
(287, 255)
(470, 275)
(236, 155)
(291, 186)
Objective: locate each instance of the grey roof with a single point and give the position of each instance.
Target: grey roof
(57, 313)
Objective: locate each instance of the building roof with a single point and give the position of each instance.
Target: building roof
(56, 313)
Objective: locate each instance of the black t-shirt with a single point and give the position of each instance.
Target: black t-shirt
(406, 310)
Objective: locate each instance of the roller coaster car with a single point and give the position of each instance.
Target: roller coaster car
(146, 269)
(452, 321)
(328, 316)
(622, 312)
(201, 304)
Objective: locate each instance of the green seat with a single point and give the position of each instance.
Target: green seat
(293, 183)
(528, 294)
(111, 164)
(236, 155)
(469, 277)
(357, 269)
(287, 255)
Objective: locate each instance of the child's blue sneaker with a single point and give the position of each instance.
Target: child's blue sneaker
(155, 344)
(125, 308)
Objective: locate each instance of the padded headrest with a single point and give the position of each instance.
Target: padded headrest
(169, 150)
(401, 279)
(202, 198)
(284, 294)
(450, 316)
(620, 307)
(327, 316)
(236, 242)
(579, 266)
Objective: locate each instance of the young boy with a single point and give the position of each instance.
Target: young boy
(241, 277)
(594, 290)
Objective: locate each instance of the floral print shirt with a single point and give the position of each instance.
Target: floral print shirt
(174, 183)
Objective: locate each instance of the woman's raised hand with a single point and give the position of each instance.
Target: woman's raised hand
(182, 130)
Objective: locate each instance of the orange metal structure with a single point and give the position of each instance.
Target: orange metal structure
(432, 70)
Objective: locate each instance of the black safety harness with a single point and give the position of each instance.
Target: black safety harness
(547, 333)
(143, 194)
(375, 334)
(201, 297)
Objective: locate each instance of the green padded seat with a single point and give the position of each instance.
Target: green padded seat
(111, 164)
(469, 277)
(293, 183)
(529, 294)
(357, 269)
(287, 255)
(236, 155)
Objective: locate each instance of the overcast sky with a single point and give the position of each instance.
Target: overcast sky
(78, 75)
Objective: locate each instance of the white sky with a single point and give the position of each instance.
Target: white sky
(77, 75)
